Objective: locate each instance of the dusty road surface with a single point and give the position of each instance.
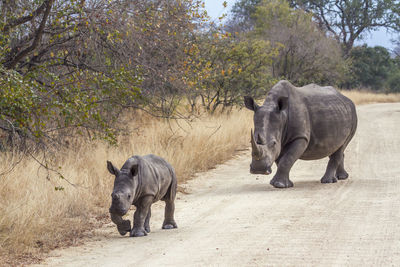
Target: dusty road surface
(232, 218)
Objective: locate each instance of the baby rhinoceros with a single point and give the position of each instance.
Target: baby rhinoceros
(142, 181)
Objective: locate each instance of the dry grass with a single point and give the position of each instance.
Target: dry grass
(360, 97)
(34, 217)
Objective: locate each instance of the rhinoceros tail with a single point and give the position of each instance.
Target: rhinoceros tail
(173, 186)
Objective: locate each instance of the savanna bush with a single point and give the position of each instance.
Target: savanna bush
(306, 54)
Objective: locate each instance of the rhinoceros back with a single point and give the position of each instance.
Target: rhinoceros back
(332, 120)
(157, 177)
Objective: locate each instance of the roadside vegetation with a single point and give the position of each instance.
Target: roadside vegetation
(362, 97)
(36, 217)
(86, 81)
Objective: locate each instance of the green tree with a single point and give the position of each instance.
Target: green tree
(305, 53)
(225, 69)
(350, 20)
(393, 81)
(242, 19)
(56, 76)
(346, 21)
(71, 67)
(371, 67)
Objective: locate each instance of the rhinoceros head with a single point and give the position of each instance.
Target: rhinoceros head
(125, 185)
(269, 124)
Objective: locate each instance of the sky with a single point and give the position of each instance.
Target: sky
(215, 9)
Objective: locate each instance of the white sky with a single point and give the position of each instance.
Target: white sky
(215, 9)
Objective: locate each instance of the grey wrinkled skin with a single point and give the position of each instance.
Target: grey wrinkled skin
(309, 123)
(142, 181)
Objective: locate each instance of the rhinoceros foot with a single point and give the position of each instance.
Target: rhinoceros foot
(147, 229)
(138, 232)
(328, 179)
(124, 227)
(169, 225)
(342, 175)
(281, 183)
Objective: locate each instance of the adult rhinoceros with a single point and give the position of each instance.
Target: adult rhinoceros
(310, 122)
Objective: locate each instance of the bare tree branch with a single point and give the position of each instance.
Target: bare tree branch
(18, 21)
(11, 64)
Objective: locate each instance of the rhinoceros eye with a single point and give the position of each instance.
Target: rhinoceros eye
(272, 143)
(129, 196)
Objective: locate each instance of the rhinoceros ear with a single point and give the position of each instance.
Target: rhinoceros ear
(250, 104)
(132, 164)
(282, 103)
(134, 169)
(112, 169)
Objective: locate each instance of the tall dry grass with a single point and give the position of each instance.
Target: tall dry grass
(362, 97)
(34, 217)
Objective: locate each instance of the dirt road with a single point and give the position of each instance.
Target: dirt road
(232, 218)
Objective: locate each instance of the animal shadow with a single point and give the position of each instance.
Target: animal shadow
(306, 185)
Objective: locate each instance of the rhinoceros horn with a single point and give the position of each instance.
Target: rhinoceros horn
(256, 149)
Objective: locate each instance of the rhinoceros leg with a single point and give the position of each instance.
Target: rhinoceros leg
(169, 221)
(142, 208)
(286, 161)
(147, 221)
(341, 173)
(333, 164)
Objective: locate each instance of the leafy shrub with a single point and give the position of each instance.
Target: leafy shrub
(393, 82)
(371, 67)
